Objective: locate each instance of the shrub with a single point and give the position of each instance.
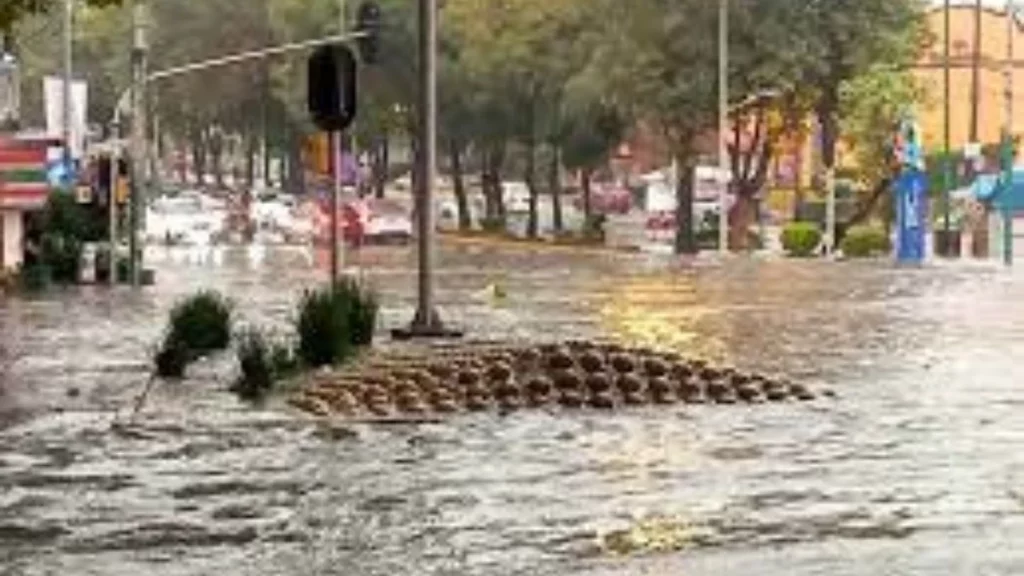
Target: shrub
(493, 224)
(801, 239)
(283, 360)
(256, 365)
(332, 323)
(62, 254)
(202, 322)
(172, 358)
(35, 277)
(362, 309)
(593, 227)
(323, 327)
(865, 242)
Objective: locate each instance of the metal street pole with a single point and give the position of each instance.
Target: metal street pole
(112, 201)
(69, 10)
(1008, 152)
(723, 125)
(947, 161)
(138, 138)
(336, 251)
(427, 322)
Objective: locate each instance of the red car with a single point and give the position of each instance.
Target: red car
(608, 200)
(366, 221)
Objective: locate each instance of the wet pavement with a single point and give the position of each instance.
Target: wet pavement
(916, 468)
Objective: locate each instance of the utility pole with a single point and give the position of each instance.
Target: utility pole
(426, 318)
(427, 323)
(336, 241)
(947, 160)
(723, 126)
(1008, 152)
(69, 12)
(138, 138)
(975, 79)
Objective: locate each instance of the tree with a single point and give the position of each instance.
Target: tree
(843, 40)
(590, 130)
(516, 53)
(660, 69)
(871, 106)
(13, 10)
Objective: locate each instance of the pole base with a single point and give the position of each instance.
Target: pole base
(426, 327)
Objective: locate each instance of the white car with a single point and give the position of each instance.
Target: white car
(385, 220)
(516, 196)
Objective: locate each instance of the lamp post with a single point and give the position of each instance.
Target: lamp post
(723, 125)
(69, 11)
(138, 138)
(947, 161)
(427, 322)
(1008, 155)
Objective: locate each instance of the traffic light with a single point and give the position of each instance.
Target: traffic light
(331, 89)
(368, 22)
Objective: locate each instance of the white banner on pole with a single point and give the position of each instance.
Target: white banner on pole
(53, 94)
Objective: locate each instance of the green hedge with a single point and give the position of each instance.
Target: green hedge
(865, 242)
(801, 239)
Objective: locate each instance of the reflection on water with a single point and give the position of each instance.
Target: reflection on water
(915, 469)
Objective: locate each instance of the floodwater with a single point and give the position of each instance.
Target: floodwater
(916, 468)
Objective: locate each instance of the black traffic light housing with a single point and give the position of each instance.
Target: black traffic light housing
(331, 89)
(368, 22)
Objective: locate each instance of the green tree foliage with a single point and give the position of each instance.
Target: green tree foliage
(529, 87)
(11, 11)
(871, 107)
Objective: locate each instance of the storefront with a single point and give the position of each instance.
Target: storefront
(23, 189)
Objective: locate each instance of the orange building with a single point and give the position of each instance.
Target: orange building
(991, 94)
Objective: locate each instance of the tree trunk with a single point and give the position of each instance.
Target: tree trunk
(686, 242)
(555, 186)
(530, 176)
(741, 216)
(586, 176)
(828, 107)
(383, 166)
(493, 161)
(217, 155)
(198, 145)
(296, 176)
(459, 185)
(250, 162)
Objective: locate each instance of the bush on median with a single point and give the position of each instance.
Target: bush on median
(332, 323)
(801, 239)
(865, 242)
(202, 322)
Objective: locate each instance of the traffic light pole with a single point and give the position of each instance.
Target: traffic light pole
(336, 242)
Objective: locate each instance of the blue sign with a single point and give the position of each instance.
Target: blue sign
(911, 215)
(60, 174)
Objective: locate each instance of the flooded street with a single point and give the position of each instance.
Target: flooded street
(916, 467)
